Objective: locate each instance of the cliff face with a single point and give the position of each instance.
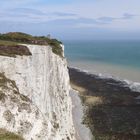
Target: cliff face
(43, 78)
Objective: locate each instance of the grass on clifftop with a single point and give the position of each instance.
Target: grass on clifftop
(6, 135)
(7, 43)
(29, 39)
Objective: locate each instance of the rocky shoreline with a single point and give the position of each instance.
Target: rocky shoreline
(113, 109)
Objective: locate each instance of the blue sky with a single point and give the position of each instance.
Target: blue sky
(72, 19)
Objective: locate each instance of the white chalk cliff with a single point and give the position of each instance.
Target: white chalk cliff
(36, 102)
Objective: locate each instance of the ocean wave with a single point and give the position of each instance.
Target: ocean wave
(134, 86)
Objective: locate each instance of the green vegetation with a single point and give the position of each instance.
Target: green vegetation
(6, 135)
(19, 37)
(57, 49)
(7, 43)
(16, 36)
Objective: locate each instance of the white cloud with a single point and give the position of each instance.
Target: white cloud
(105, 14)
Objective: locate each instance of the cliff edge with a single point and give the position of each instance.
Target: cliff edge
(34, 91)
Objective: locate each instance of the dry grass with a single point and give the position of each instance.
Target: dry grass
(6, 135)
(7, 43)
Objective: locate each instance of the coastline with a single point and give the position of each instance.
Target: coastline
(112, 107)
(108, 70)
(134, 86)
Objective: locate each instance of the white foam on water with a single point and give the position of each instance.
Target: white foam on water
(134, 86)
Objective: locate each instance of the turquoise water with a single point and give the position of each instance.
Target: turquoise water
(122, 53)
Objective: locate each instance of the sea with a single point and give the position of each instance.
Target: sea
(119, 59)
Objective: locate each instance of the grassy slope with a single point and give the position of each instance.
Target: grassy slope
(29, 39)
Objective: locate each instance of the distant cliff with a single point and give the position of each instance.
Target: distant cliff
(34, 92)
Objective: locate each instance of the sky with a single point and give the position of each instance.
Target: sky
(72, 19)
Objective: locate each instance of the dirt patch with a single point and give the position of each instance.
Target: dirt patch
(12, 51)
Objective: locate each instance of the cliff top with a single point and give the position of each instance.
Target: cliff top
(9, 43)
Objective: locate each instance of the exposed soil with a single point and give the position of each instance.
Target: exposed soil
(12, 51)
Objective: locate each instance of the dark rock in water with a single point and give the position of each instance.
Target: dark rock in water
(113, 109)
